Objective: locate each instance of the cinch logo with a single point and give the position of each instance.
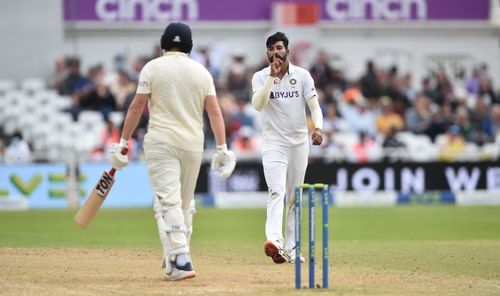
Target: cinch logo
(284, 94)
(376, 9)
(166, 10)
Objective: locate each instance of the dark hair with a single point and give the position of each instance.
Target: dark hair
(177, 35)
(278, 36)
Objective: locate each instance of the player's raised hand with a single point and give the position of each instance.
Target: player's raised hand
(276, 65)
(317, 137)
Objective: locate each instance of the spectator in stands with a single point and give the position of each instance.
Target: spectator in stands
(110, 134)
(74, 80)
(204, 55)
(353, 110)
(429, 90)
(391, 140)
(453, 147)
(393, 146)
(419, 117)
(99, 99)
(238, 83)
(486, 92)
(321, 71)
(240, 116)
(136, 68)
(365, 149)
(472, 83)
(245, 141)
(495, 122)
(407, 87)
(370, 83)
(388, 119)
(18, 150)
(331, 120)
(481, 122)
(395, 91)
(465, 128)
(59, 73)
(441, 120)
(121, 89)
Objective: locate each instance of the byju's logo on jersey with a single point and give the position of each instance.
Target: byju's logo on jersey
(284, 94)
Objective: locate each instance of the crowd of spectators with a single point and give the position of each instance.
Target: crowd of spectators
(375, 108)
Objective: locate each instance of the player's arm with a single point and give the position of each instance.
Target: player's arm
(223, 161)
(261, 98)
(117, 159)
(216, 119)
(317, 119)
(134, 114)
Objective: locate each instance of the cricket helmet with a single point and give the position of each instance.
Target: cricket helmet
(177, 35)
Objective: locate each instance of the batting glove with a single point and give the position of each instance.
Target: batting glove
(223, 161)
(116, 158)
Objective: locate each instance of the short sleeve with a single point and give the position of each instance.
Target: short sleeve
(144, 85)
(309, 90)
(210, 87)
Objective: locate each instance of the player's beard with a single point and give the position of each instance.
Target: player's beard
(282, 58)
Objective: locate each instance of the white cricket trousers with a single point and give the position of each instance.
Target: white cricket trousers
(172, 174)
(284, 168)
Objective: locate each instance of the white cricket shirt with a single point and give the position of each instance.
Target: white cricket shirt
(284, 117)
(178, 86)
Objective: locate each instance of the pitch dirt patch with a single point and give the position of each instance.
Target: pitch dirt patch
(75, 271)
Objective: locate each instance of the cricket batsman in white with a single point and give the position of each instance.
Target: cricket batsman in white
(177, 89)
(281, 92)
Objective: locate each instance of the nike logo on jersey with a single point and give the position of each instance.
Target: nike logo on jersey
(284, 94)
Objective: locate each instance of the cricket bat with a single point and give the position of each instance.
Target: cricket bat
(96, 197)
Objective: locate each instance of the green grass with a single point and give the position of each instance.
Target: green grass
(443, 239)
(115, 227)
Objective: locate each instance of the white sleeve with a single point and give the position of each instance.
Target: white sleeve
(308, 90)
(144, 85)
(316, 114)
(260, 97)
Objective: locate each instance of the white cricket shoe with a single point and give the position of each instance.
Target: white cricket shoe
(291, 257)
(275, 252)
(176, 272)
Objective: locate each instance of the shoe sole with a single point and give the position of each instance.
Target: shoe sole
(302, 260)
(187, 276)
(272, 251)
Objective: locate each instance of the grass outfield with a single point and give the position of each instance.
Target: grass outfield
(413, 250)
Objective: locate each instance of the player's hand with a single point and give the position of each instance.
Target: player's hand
(117, 157)
(223, 161)
(317, 137)
(276, 65)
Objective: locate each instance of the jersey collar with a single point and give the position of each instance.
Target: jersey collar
(175, 53)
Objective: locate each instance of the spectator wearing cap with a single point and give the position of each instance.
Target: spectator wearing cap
(353, 109)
